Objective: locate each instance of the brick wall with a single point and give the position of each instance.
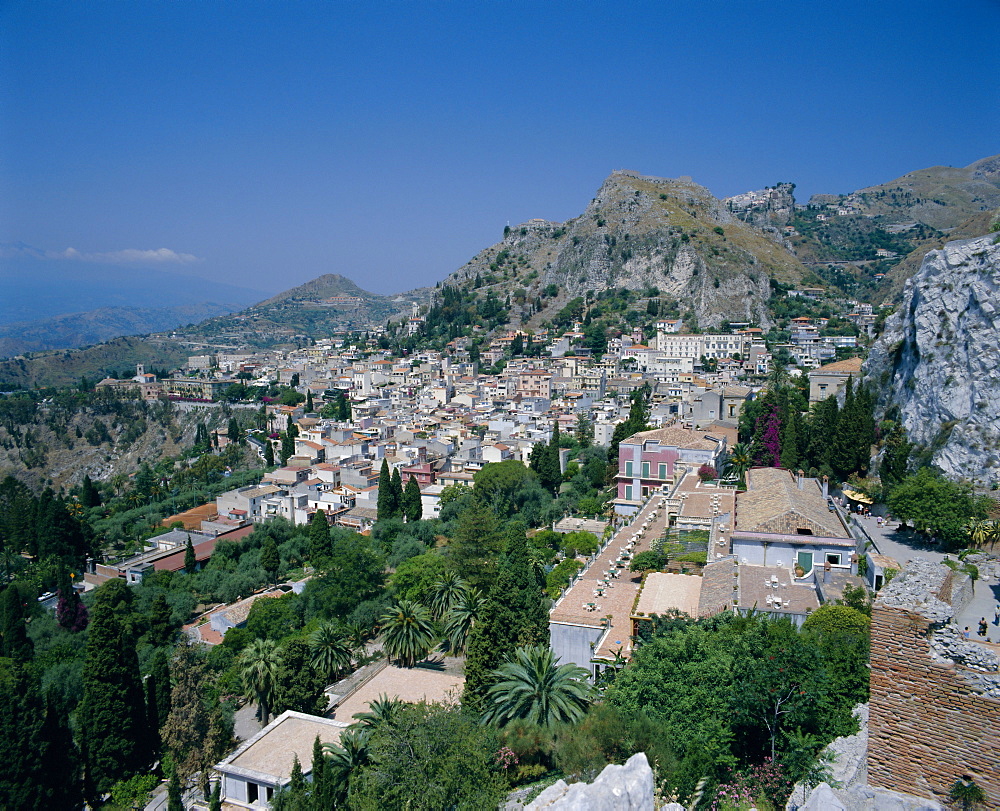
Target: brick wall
(927, 728)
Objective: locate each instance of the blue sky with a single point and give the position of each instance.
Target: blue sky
(265, 143)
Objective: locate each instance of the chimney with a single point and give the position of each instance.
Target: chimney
(799, 480)
(826, 572)
(826, 487)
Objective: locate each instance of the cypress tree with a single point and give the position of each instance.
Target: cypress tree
(270, 560)
(158, 686)
(412, 507)
(309, 402)
(319, 538)
(287, 447)
(190, 560)
(175, 800)
(89, 495)
(322, 791)
(789, 443)
(397, 493)
(233, 432)
(16, 644)
(161, 626)
(344, 408)
(268, 453)
(515, 615)
(111, 716)
(21, 714)
(215, 804)
(386, 506)
(60, 779)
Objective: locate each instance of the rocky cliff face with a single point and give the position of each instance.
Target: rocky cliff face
(643, 232)
(938, 359)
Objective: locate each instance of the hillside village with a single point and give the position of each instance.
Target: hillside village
(763, 542)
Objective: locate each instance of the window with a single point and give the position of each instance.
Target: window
(628, 468)
(663, 470)
(833, 558)
(628, 492)
(645, 470)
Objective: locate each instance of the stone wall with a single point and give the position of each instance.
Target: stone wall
(930, 724)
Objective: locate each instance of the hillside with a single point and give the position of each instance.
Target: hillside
(94, 326)
(941, 197)
(867, 243)
(668, 240)
(316, 309)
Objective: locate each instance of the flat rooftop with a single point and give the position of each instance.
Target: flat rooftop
(435, 681)
(663, 591)
(272, 751)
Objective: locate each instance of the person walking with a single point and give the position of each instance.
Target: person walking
(996, 615)
(982, 626)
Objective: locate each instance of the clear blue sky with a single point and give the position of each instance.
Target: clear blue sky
(390, 142)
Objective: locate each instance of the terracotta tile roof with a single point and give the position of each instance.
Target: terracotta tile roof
(677, 437)
(774, 503)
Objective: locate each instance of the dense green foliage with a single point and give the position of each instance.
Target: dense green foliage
(729, 692)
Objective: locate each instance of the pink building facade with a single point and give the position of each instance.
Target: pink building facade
(651, 459)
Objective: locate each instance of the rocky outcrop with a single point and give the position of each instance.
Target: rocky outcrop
(640, 233)
(938, 359)
(617, 788)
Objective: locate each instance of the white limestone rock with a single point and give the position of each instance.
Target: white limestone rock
(938, 359)
(616, 788)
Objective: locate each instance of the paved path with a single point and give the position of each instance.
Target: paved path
(904, 546)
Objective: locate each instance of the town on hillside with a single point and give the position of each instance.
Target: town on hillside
(511, 539)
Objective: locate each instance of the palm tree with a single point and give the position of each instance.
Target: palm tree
(445, 593)
(382, 710)
(460, 619)
(739, 461)
(342, 758)
(258, 668)
(531, 686)
(331, 651)
(407, 632)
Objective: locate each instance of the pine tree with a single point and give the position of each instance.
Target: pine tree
(111, 715)
(397, 493)
(193, 734)
(319, 538)
(412, 506)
